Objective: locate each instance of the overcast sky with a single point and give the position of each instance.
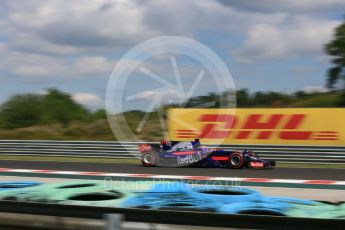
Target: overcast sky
(73, 45)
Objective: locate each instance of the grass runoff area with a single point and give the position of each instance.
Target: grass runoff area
(137, 161)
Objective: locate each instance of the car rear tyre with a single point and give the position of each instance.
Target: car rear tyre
(148, 159)
(236, 160)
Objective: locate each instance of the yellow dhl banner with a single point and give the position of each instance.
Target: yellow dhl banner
(259, 126)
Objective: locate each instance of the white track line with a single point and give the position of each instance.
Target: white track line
(154, 176)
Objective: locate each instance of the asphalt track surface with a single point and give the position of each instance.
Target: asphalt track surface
(277, 173)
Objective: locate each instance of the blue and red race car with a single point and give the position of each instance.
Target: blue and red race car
(192, 154)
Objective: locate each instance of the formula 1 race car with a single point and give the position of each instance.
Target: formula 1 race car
(192, 154)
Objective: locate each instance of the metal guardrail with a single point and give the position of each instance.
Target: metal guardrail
(127, 150)
(173, 217)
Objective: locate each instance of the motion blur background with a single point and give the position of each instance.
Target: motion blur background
(287, 60)
(56, 57)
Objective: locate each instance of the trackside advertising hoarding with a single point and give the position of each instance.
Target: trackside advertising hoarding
(322, 127)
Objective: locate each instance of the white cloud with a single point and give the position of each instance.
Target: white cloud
(303, 69)
(286, 5)
(101, 26)
(93, 66)
(56, 28)
(42, 92)
(315, 89)
(92, 23)
(51, 38)
(164, 96)
(88, 99)
(30, 62)
(31, 43)
(30, 70)
(2, 48)
(32, 65)
(296, 37)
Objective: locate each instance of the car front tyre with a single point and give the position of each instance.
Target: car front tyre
(236, 160)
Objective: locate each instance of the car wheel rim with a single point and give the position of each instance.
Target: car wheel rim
(235, 160)
(148, 158)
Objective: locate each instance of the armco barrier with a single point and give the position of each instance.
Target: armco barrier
(109, 149)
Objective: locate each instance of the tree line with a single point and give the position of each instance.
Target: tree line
(53, 107)
(246, 99)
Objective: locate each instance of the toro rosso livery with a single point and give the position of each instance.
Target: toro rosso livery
(191, 153)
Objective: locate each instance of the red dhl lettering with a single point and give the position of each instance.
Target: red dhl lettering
(256, 126)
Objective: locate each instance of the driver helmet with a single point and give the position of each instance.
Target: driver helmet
(182, 146)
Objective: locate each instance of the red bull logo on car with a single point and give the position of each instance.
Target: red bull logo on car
(189, 159)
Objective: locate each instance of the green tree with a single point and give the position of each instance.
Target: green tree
(31, 109)
(271, 99)
(99, 114)
(301, 94)
(21, 111)
(60, 107)
(243, 98)
(336, 49)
